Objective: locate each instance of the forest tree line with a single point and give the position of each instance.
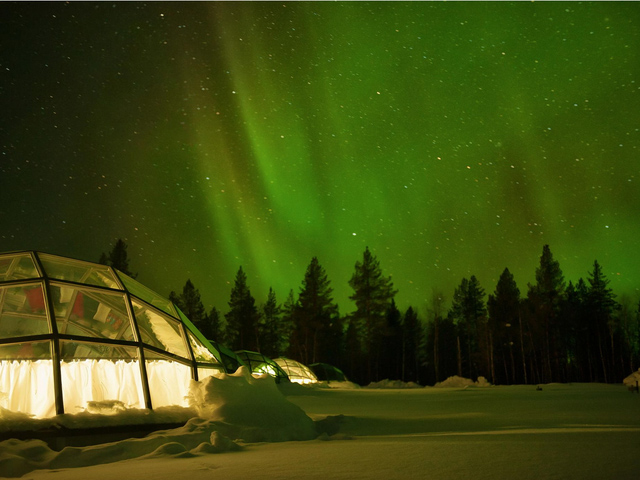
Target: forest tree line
(554, 332)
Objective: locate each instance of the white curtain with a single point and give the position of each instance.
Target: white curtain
(84, 381)
(27, 387)
(168, 383)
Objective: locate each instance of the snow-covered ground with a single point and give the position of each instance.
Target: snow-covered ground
(574, 431)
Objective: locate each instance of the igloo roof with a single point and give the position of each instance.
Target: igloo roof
(62, 312)
(296, 371)
(261, 364)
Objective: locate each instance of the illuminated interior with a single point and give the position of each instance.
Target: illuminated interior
(296, 371)
(75, 334)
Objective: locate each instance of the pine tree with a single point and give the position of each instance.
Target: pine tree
(315, 314)
(287, 322)
(601, 305)
(411, 340)
(468, 311)
(372, 295)
(269, 340)
(242, 318)
(191, 305)
(544, 299)
(504, 313)
(118, 258)
(392, 354)
(217, 326)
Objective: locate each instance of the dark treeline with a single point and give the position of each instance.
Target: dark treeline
(556, 331)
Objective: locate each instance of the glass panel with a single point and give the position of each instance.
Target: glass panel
(100, 378)
(200, 352)
(136, 288)
(26, 378)
(204, 372)
(91, 313)
(168, 381)
(77, 271)
(159, 330)
(17, 267)
(22, 311)
(82, 350)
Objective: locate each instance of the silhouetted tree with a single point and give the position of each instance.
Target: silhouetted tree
(315, 314)
(217, 326)
(392, 353)
(118, 258)
(503, 325)
(372, 295)
(268, 328)
(469, 315)
(242, 318)
(601, 305)
(411, 340)
(544, 300)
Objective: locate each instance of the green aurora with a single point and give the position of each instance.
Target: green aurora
(452, 139)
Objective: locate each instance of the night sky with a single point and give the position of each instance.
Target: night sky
(452, 139)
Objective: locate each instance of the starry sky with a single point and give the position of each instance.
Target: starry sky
(452, 139)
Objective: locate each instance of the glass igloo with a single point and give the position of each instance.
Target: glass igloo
(76, 334)
(296, 371)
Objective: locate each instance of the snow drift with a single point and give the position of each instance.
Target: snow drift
(232, 409)
(461, 382)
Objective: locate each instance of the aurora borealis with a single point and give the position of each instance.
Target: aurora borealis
(452, 139)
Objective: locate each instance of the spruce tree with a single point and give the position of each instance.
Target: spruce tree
(118, 258)
(287, 322)
(217, 326)
(544, 300)
(372, 296)
(191, 305)
(269, 340)
(601, 306)
(411, 340)
(315, 314)
(503, 322)
(468, 311)
(242, 317)
(392, 354)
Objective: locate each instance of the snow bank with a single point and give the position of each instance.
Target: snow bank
(251, 408)
(393, 384)
(230, 408)
(461, 382)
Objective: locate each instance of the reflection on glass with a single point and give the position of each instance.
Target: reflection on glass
(17, 267)
(77, 271)
(22, 311)
(200, 352)
(159, 330)
(136, 288)
(91, 313)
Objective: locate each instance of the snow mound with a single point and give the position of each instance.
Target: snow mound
(231, 407)
(250, 408)
(340, 385)
(393, 384)
(461, 382)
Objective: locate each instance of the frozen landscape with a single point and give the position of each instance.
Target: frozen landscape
(244, 427)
